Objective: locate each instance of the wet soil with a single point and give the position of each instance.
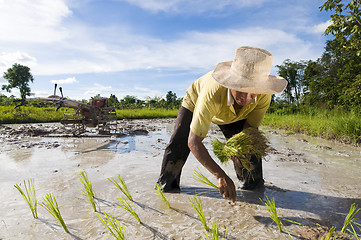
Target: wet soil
(313, 181)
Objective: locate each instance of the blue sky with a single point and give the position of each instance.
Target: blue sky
(146, 48)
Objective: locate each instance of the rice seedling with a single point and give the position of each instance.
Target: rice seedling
(126, 206)
(122, 187)
(350, 220)
(197, 206)
(214, 233)
(271, 208)
(161, 195)
(330, 234)
(199, 176)
(29, 196)
(241, 146)
(113, 226)
(83, 177)
(50, 204)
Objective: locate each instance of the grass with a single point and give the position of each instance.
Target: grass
(128, 207)
(145, 113)
(341, 125)
(50, 204)
(31, 114)
(113, 226)
(83, 177)
(241, 146)
(29, 196)
(199, 176)
(122, 187)
(162, 196)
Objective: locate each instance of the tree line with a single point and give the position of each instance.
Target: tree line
(334, 79)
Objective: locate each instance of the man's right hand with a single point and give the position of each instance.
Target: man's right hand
(227, 188)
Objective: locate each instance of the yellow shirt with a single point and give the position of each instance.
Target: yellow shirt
(207, 99)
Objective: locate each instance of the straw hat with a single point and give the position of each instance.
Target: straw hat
(249, 72)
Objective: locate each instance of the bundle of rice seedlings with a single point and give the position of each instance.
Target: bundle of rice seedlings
(113, 226)
(122, 187)
(83, 177)
(126, 206)
(241, 146)
(50, 204)
(162, 196)
(29, 196)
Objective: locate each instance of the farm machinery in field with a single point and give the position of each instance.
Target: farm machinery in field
(79, 115)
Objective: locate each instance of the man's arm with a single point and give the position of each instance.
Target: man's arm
(225, 183)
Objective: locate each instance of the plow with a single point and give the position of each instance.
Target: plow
(78, 115)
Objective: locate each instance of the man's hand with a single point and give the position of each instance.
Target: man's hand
(227, 188)
(225, 184)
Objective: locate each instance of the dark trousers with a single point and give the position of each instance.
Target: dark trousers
(177, 152)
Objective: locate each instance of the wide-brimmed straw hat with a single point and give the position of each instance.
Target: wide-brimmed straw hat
(250, 72)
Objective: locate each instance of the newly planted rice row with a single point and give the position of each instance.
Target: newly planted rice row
(115, 228)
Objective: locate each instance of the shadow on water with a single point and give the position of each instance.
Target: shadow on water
(330, 210)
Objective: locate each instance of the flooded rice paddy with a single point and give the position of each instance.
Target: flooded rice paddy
(313, 181)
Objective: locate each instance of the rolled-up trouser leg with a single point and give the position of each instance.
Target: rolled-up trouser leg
(176, 153)
(254, 178)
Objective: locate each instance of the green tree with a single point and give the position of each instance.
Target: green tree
(293, 72)
(113, 101)
(18, 77)
(345, 24)
(171, 99)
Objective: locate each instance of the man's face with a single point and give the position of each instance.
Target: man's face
(242, 98)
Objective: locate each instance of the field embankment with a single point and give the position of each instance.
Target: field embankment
(329, 124)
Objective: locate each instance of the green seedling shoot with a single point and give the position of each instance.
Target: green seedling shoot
(50, 204)
(29, 196)
(122, 187)
(350, 220)
(197, 206)
(199, 176)
(126, 206)
(271, 208)
(161, 195)
(113, 226)
(83, 177)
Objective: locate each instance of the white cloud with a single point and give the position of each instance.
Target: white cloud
(7, 59)
(97, 88)
(195, 6)
(320, 28)
(69, 80)
(194, 50)
(32, 21)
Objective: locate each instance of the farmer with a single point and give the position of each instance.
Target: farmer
(235, 96)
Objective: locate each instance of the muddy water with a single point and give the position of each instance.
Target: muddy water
(312, 181)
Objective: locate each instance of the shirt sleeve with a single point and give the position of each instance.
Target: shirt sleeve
(255, 117)
(204, 110)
